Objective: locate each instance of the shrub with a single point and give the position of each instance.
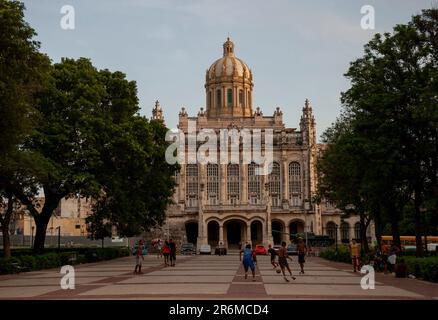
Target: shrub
(54, 258)
(343, 254)
(424, 268)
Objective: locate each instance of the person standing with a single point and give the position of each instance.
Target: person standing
(166, 253)
(247, 261)
(139, 257)
(302, 250)
(273, 254)
(355, 253)
(254, 255)
(282, 260)
(172, 247)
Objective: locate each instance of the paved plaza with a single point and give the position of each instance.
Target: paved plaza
(209, 277)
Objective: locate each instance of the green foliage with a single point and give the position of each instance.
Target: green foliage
(424, 268)
(382, 153)
(342, 255)
(58, 259)
(22, 69)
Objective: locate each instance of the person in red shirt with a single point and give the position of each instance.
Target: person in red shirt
(139, 257)
(166, 253)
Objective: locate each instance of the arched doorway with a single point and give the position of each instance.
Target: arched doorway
(256, 232)
(235, 233)
(192, 232)
(296, 227)
(213, 233)
(277, 232)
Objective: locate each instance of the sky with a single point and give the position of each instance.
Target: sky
(295, 49)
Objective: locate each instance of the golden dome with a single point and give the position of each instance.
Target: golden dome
(229, 65)
(228, 86)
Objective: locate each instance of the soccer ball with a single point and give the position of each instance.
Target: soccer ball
(278, 270)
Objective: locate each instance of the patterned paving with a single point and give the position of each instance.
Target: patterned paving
(209, 277)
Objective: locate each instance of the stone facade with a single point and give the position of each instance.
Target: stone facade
(224, 202)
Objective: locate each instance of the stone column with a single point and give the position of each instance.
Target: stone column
(268, 227)
(248, 232)
(284, 181)
(221, 233)
(223, 184)
(201, 226)
(244, 183)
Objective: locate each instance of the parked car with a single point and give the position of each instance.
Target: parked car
(260, 249)
(205, 249)
(292, 250)
(188, 248)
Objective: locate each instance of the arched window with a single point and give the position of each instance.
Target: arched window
(192, 185)
(213, 183)
(275, 184)
(357, 231)
(233, 181)
(254, 184)
(295, 196)
(331, 230)
(241, 99)
(345, 232)
(229, 97)
(218, 98)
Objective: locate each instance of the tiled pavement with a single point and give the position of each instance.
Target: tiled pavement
(209, 277)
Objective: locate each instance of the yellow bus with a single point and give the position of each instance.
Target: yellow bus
(409, 241)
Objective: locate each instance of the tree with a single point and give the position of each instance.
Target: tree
(22, 74)
(137, 182)
(392, 103)
(65, 137)
(92, 142)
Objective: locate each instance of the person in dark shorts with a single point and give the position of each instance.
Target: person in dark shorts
(302, 250)
(166, 253)
(273, 254)
(172, 247)
(282, 261)
(247, 261)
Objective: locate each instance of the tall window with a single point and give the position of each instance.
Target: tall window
(274, 184)
(218, 98)
(213, 183)
(241, 98)
(192, 185)
(345, 232)
(331, 230)
(295, 195)
(210, 102)
(254, 184)
(230, 97)
(233, 180)
(357, 231)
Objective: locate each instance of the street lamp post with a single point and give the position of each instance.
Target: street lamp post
(59, 237)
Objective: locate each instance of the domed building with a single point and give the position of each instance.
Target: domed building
(230, 203)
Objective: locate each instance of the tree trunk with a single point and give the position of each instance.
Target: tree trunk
(41, 222)
(395, 228)
(6, 241)
(378, 227)
(418, 222)
(363, 234)
(5, 226)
